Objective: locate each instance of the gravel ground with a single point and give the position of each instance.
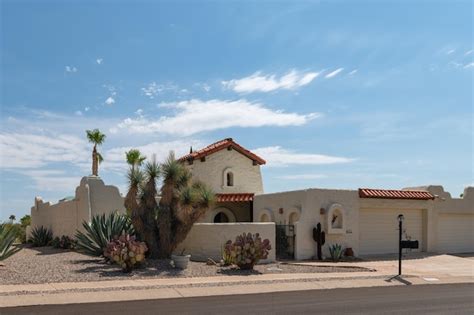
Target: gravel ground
(47, 265)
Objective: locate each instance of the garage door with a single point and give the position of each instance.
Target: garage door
(378, 230)
(455, 233)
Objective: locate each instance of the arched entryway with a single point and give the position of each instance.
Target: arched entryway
(222, 215)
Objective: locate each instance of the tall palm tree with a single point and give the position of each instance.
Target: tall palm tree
(97, 138)
(12, 218)
(134, 158)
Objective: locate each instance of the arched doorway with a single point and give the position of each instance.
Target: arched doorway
(264, 218)
(221, 217)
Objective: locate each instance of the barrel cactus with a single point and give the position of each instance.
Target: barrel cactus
(126, 251)
(247, 250)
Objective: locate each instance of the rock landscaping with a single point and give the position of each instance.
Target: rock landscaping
(49, 265)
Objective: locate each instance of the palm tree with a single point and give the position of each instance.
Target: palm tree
(12, 218)
(134, 158)
(97, 138)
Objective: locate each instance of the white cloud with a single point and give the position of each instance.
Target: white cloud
(352, 72)
(450, 51)
(206, 87)
(99, 61)
(467, 53)
(19, 151)
(277, 156)
(302, 176)
(153, 89)
(196, 116)
(259, 82)
(78, 113)
(334, 73)
(469, 65)
(86, 109)
(52, 180)
(114, 159)
(110, 100)
(70, 69)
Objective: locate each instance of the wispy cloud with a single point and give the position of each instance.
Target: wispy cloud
(153, 89)
(196, 116)
(467, 53)
(52, 180)
(302, 176)
(352, 72)
(278, 156)
(259, 82)
(99, 61)
(19, 150)
(450, 51)
(333, 73)
(469, 65)
(70, 69)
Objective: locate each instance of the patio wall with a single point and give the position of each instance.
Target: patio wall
(206, 240)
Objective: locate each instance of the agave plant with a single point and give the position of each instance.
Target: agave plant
(7, 237)
(41, 236)
(336, 252)
(101, 231)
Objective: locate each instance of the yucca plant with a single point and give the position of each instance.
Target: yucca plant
(336, 252)
(41, 236)
(7, 237)
(101, 231)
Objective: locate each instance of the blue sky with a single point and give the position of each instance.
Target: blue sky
(341, 94)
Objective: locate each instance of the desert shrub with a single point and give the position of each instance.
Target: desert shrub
(247, 250)
(126, 251)
(101, 231)
(41, 236)
(7, 237)
(64, 242)
(336, 252)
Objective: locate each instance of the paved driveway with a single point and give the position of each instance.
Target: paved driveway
(418, 264)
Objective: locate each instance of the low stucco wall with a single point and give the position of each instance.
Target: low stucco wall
(92, 197)
(206, 240)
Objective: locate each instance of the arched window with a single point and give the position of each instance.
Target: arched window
(230, 179)
(264, 218)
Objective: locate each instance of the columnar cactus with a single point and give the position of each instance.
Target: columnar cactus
(247, 250)
(320, 238)
(126, 252)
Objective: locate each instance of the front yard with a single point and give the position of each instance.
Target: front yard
(48, 265)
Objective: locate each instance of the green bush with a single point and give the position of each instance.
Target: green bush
(101, 231)
(336, 252)
(41, 236)
(64, 242)
(7, 237)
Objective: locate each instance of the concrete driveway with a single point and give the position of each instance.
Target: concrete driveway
(418, 264)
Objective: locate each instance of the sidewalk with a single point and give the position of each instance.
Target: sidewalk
(144, 289)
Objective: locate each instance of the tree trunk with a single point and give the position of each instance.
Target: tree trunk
(95, 162)
(165, 217)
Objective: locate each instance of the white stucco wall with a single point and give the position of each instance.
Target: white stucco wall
(206, 240)
(92, 197)
(308, 203)
(247, 177)
(278, 207)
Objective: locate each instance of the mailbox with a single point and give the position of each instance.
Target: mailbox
(409, 244)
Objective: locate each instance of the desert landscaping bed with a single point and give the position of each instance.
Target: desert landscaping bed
(48, 265)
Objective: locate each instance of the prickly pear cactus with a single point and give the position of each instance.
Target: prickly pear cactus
(247, 250)
(126, 252)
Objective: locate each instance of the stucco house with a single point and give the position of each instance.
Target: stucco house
(233, 173)
(363, 219)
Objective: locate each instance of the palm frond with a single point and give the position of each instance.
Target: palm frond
(95, 136)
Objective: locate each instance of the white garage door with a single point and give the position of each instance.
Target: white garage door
(378, 230)
(455, 233)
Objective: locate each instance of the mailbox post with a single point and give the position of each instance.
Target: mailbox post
(400, 226)
(403, 244)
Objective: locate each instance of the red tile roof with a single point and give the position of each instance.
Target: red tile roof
(220, 145)
(394, 194)
(237, 197)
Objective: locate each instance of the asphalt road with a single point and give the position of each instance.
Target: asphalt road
(420, 299)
